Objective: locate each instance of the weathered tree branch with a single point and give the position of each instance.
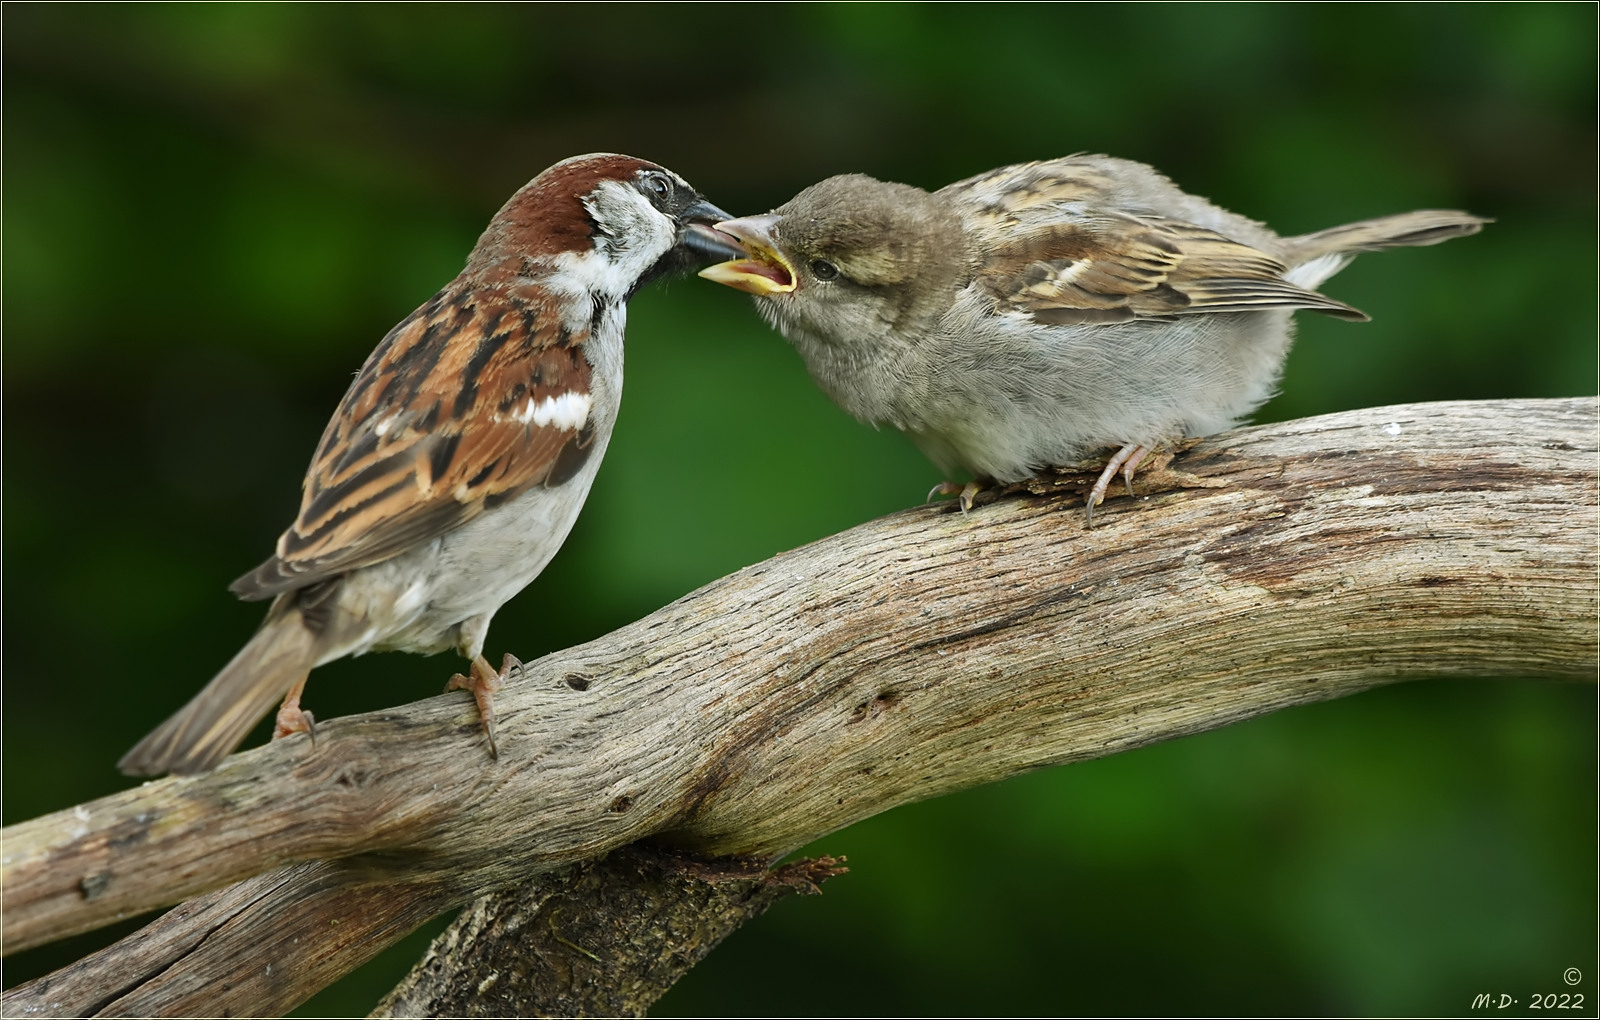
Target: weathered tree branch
(601, 938)
(915, 655)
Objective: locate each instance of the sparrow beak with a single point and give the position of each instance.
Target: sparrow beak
(703, 212)
(759, 269)
(708, 244)
(701, 239)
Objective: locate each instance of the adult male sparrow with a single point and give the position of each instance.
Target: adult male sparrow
(1026, 317)
(456, 464)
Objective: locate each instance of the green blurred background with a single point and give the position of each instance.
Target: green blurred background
(212, 213)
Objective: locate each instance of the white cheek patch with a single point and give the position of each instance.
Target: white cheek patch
(636, 235)
(632, 237)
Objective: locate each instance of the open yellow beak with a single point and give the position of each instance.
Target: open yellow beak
(765, 272)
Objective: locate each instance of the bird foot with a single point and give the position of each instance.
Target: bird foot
(1125, 460)
(291, 718)
(483, 683)
(1095, 476)
(964, 494)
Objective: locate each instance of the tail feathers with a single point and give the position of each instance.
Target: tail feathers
(212, 724)
(1313, 258)
(1406, 230)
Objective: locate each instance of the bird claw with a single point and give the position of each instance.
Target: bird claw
(965, 494)
(291, 718)
(1126, 461)
(482, 684)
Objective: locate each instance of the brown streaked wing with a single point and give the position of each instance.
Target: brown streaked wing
(428, 436)
(1116, 268)
(1013, 192)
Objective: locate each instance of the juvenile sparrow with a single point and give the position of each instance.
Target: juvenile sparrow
(456, 464)
(1027, 317)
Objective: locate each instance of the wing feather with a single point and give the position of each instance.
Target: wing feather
(1094, 239)
(473, 399)
(1113, 268)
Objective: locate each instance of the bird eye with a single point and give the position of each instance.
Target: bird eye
(657, 184)
(822, 269)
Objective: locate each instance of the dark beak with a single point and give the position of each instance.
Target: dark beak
(699, 245)
(703, 212)
(700, 240)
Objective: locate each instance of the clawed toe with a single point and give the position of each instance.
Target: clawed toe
(965, 494)
(1126, 461)
(291, 718)
(483, 683)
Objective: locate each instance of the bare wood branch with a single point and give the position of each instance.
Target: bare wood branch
(602, 938)
(599, 938)
(915, 655)
(257, 948)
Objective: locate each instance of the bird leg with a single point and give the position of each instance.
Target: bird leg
(1127, 459)
(964, 493)
(483, 683)
(291, 717)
